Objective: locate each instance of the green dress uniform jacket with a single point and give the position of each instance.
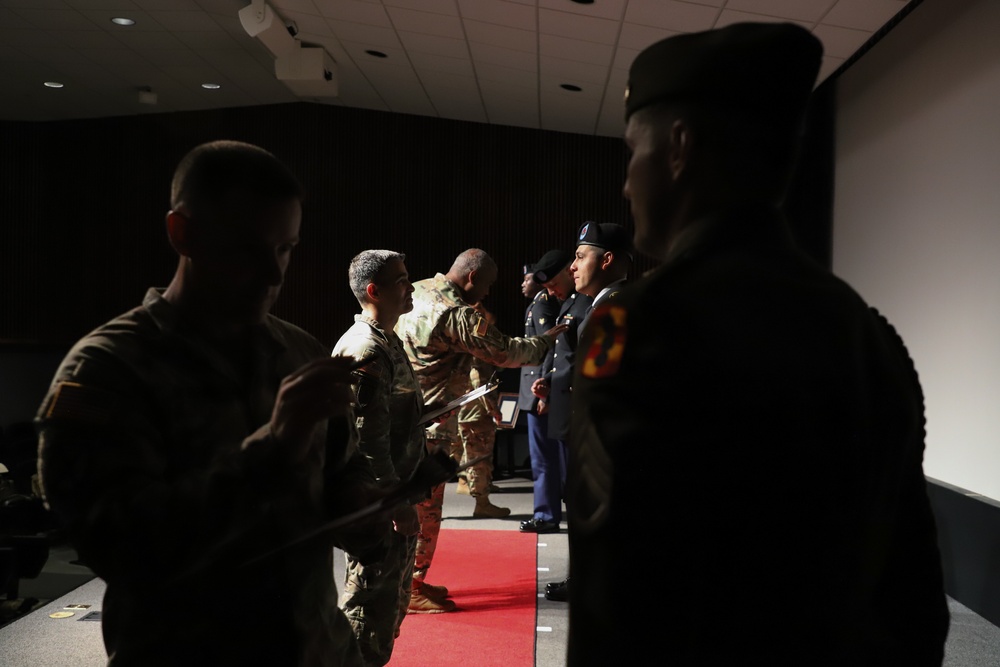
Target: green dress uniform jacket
(748, 435)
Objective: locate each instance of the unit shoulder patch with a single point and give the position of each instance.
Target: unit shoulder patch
(607, 342)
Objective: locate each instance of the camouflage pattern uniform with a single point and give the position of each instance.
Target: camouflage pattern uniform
(153, 455)
(390, 404)
(441, 336)
(478, 430)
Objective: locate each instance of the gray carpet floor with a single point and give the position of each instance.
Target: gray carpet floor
(38, 640)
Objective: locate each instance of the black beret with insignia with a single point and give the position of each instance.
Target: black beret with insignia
(767, 69)
(551, 263)
(607, 235)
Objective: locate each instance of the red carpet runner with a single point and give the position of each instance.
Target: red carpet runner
(490, 575)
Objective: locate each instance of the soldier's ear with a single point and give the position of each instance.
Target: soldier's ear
(606, 260)
(180, 231)
(680, 147)
(372, 291)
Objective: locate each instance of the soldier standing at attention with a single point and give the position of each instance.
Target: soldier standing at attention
(390, 404)
(441, 336)
(189, 437)
(546, 475)
(781, 417)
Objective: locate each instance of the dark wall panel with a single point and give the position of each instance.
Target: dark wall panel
(85, 201)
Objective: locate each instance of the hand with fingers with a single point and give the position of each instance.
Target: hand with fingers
(316, 392)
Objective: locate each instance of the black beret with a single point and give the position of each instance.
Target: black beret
(768, 69)
(551, 264)
(607, 235)
(528, 268)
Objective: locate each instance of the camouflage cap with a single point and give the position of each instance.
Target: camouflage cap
(764, 68)
(551, 264)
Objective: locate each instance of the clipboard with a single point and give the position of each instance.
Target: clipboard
(479, 392)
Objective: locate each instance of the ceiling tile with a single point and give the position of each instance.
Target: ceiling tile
(185, 20)
(446, 7)
(671, 15)
(354, 11)
(362, 33)
(588, 28)
(495, 55)
(427, 62)
(426, 23)
(624, 57)
(584, 75)
(606, 9)
(487, 73)
(499, 13)
(840, 42)
(867, 15)
(55, 19)
(728, 17)
(434, 44)
(505, 36)
(800, 10)
(574, 49)
(640, 36)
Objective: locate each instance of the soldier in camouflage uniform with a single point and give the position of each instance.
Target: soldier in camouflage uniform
(477, 428)
(184, 440)
(390, 403)
(441, 336)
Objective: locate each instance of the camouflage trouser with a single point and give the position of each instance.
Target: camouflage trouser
(478, 438)
(376, 597)
(429, 515)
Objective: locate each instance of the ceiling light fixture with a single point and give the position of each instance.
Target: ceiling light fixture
(570, 87)
(211, 86)
(377, 54)
(53, 84)
(118, 20)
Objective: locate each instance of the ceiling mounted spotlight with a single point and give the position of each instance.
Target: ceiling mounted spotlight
(570, 87)
(377, 54)
(52, 84)
(118, 20)
(211, 86)
(147, 96)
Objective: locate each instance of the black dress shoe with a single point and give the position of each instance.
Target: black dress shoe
(558, 592)
(539, 526)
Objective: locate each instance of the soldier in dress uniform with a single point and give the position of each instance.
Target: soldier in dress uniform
(547, 469)
(742, 403)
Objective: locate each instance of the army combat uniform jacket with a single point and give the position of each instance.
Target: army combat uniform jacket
(152, 453)
(390, 402)
(441, 336)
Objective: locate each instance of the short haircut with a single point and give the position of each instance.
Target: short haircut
(471, 260)
(747, 151)
(365, 268)
(211, 171)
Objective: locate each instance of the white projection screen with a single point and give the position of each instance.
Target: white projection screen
(917, 218)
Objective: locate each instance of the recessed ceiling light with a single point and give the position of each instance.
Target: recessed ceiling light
(53, 84)
(377, 54)
(211, 86)
(571, 87)
(118, 20)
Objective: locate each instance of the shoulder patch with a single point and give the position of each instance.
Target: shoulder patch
(482, 326)
(607, 343)
(76, 402)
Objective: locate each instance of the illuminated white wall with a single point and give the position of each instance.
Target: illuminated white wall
(917, 217)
